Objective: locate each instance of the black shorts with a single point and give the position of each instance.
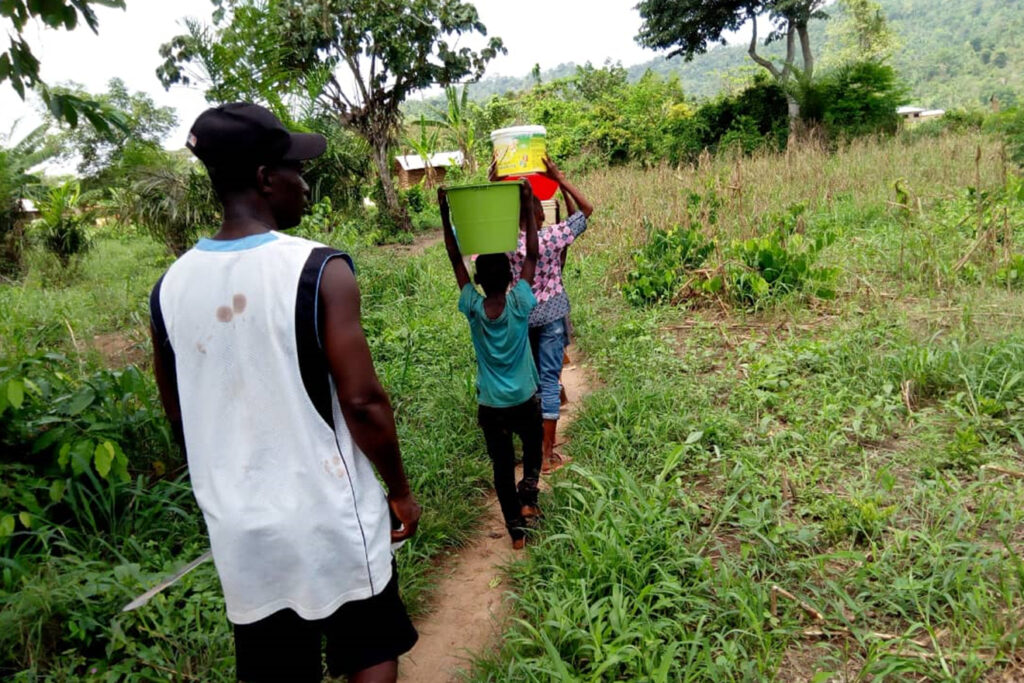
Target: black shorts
(360, 634)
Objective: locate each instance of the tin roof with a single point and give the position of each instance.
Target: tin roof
(414, 162)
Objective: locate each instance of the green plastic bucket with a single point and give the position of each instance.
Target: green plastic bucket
(485, 217)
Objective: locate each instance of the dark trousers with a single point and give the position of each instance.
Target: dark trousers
(499, 424)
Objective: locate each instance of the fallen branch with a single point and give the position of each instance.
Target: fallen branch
(1003, 470)
(958, 656)
(776, 590)
(841, 631)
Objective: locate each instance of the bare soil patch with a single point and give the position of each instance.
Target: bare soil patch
(119, 349)
(420, 243)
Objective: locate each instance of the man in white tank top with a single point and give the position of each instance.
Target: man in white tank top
(267, 380)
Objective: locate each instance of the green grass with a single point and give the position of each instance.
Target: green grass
(106, 292)
(831, 448)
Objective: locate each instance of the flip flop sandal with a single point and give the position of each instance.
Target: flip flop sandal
(554, 464)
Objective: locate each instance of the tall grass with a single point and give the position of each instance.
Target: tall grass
(862, 173)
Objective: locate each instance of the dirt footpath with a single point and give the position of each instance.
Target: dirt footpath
(468, 610)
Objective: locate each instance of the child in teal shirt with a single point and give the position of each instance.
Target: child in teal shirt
(506, 375)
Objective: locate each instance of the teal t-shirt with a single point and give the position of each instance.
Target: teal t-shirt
(505, 373)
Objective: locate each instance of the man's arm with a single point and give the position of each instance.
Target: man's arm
(568, 190)
(450, 244)
(528, 221)
(167, 386)
(364, 403)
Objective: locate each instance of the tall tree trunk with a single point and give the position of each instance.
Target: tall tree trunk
(392, 204)
(796, 124)
(793, 106)
(781, 77)
(805, 48)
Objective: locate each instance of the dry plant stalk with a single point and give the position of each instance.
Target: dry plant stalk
(982, 238)
(787, 489)
(905, 388)
(1007, 237)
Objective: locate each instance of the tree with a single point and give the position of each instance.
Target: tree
(100, 151)
(19, 65)
(425, 145)
(171, 198)
(690, 27)
(456, 121)
(386, 49)
(861, 33)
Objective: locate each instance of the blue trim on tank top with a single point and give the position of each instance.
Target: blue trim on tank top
(240, 244)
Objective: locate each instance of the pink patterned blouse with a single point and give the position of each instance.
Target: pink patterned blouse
(552, 300)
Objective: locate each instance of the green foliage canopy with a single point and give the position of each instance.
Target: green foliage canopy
(689, 27)
(387, 49)
(100, 150)
(21, 67)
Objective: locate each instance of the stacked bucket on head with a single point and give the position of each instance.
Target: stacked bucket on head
(486, 216)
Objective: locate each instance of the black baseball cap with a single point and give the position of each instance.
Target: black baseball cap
(246, 134)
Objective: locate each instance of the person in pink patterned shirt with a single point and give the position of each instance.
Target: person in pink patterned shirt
(547, 321)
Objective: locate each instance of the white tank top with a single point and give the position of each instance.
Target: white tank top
(296, 515)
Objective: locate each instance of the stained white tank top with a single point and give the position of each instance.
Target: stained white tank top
(296, 516)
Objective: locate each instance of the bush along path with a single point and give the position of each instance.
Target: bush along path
(469, 605)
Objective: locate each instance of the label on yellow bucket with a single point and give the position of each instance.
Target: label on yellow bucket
(519, 150)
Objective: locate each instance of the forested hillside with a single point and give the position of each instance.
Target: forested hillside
(960, 53)
(952, 54)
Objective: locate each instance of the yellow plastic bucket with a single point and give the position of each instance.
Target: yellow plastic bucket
(519, 150)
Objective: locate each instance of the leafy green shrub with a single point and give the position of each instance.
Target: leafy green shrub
(758, 112)
(742, 135)
(62, 222)
(1010, 124)
(62, 428)
(661, 266)
(856, 99)
(772, 267)
(859, 519)
(764, 269)
(423, 212)
(414, 198)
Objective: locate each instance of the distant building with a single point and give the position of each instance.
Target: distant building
(27, 210)
(411, 169)
(917, 114)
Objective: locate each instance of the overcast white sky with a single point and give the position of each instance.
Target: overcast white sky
(548, 32)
